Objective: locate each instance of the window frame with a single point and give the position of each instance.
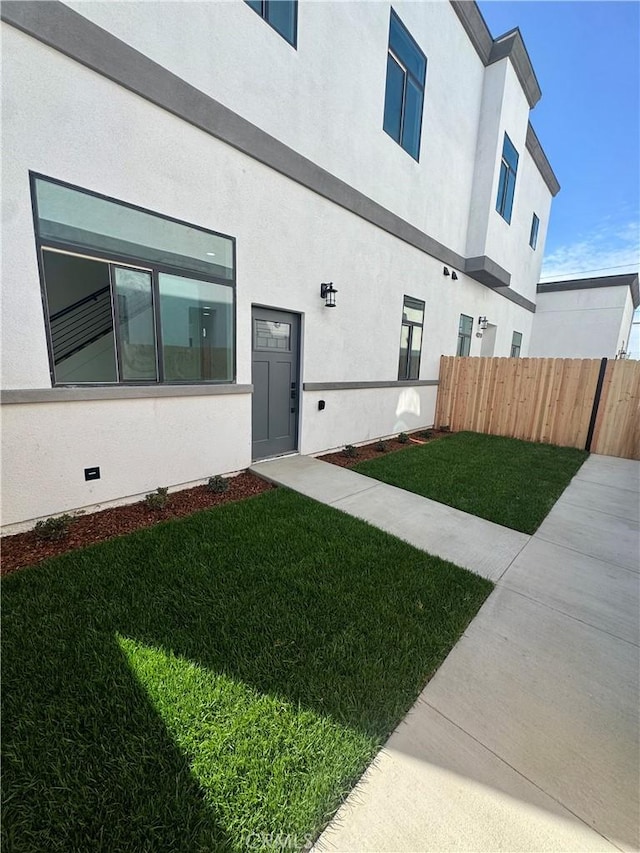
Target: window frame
(264, 11)
(407, 74)
(462, 337)
(506, 187)
(517, 346)
(114, 260)
(533, 234)
(419, 305)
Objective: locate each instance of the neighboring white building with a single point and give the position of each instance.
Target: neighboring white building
(179, 180)
(585, 318)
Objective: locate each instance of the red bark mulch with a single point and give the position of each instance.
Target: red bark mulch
(368, 451)
(24, 549)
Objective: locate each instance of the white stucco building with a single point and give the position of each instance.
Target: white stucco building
(585, 318)
(179, 180)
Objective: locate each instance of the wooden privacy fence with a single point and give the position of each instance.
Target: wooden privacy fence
(586, 403)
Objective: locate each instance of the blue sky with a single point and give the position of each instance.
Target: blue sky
(586, 58)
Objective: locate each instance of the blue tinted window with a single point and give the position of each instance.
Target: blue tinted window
(281, 14)
(533, 237)
(404, 96)
(507, 181)
(393, 100)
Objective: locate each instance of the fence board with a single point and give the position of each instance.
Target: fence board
(543, 399)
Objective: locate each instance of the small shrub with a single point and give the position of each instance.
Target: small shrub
(428, 433)
(53, 529)
(403, 438)
(158, 499)
(218, 484)
(350, 451)
(381, 446)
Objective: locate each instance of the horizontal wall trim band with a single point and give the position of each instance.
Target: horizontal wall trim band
(116, 392)
(348, 386)
(68, 32)
(625, 280)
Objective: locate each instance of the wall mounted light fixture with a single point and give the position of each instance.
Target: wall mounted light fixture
(445, 271)
(328, 293)
(622, 353)
(454, 276)
(482, 323)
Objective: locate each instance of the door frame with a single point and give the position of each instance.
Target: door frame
(299, 351)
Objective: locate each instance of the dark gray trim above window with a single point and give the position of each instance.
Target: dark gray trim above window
(116, 392)
(61, 28)
(532, 144)
(361, 386)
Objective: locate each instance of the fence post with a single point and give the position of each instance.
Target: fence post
(596, 403)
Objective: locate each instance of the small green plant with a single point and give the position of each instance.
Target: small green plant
(403, 438)
(381, 446)
(158, 499)
(351, 451)
(427, 433)
(53, 529)
(218, 484)
(445, 428)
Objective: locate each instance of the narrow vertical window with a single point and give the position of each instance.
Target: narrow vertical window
(516, 344)
(533, 237)
(282, 15)
(464, 335)
(507, 182)
(404, 96)
(411, 338)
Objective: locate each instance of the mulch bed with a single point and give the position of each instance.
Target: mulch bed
(368, 451)
(24, 549)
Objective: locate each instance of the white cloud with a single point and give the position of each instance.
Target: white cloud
(611, 249)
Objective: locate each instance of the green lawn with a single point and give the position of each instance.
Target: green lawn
(214, 682)
(514, 483)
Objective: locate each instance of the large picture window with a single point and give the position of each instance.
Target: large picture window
(411, 338)
(507, 181)
(131, 296)
(404, 96)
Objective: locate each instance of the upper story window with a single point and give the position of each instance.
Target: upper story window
(406, 74)
(131, 296)
(516, 344)
(411, 338)
(281, 14)
(533, 236)
(507, 184)
(464, 335)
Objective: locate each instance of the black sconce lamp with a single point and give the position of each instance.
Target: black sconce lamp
(328, 293)
(445, 271)
(482, 323)
(454, 276)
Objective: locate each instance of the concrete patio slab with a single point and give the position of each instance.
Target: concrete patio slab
(473, 543)
(598, 593)
(611, 500)
(433, 787)
(554, 698)
(597, 534)
(611, 471)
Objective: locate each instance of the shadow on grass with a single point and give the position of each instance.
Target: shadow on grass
(229, 673)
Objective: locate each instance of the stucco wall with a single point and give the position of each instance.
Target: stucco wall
(288, 241)
(580, 323)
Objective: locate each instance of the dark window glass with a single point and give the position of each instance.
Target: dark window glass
(411, 338)
(393, 100)
(281, 14)
(507, 181)
(464, 335)
(114, 320)
(404, 95)
(516, 344)
(533, 237)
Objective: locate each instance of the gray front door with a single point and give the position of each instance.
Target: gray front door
(275, 336)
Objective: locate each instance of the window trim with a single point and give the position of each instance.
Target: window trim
(464, 337)
(411, 324)
(533, 234)
(407, 73)
(263, 14)
(117, 260)
(501, 200)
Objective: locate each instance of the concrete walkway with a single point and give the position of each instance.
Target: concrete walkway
(527, 736)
